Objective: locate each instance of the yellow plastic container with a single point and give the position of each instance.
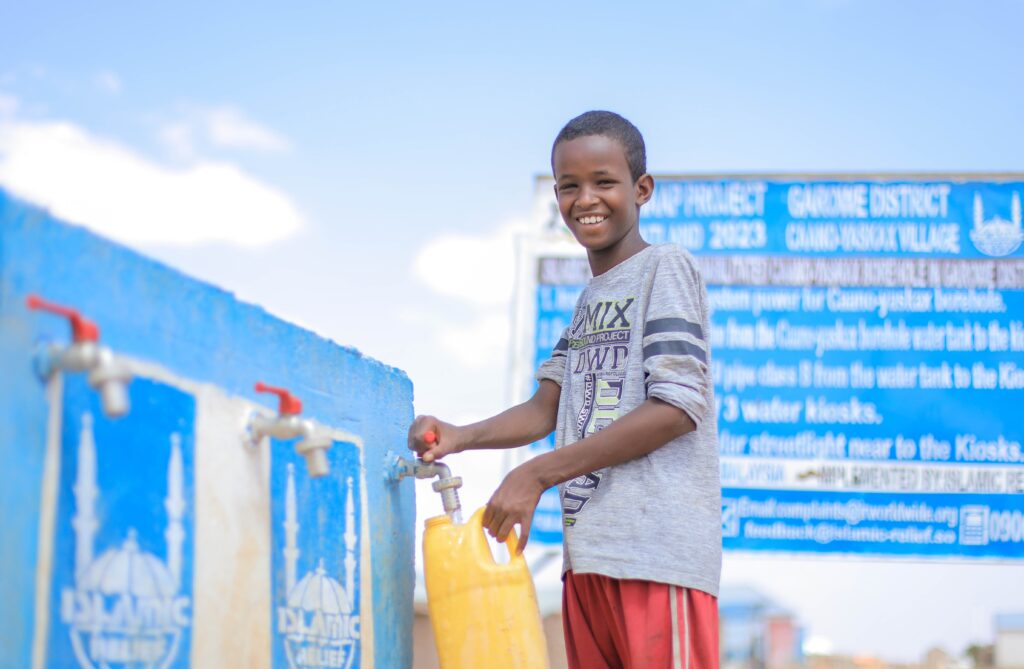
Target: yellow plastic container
(484, 614)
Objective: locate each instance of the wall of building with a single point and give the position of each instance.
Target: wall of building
(211, 552)
(1009, 652)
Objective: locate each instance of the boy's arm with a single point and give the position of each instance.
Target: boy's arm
(522, 424)
(676, 380)
(650, 426)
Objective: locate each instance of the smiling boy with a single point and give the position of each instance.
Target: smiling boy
(628, 392)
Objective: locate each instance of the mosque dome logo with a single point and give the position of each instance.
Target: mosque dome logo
(129, 571)
(320, 593)
(319, 619)
(997, 236)
(125, 609)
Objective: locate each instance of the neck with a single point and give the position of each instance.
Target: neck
(605, 259)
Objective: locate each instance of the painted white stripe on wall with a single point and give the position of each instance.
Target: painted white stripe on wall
(47, 520)
(232, 537)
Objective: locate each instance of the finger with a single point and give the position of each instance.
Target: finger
(494, 522)
(506, 526)
(416, 430)
(493, 508)
(433, 452)
(423, 438)
(524, 535)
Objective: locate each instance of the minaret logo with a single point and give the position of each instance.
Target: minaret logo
(319, 619)
(997, 236)
(126, 608)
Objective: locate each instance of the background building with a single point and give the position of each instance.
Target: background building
(1009, 650)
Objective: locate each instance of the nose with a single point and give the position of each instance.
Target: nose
(587, 197)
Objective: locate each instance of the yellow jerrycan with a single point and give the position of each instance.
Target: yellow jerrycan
(484, 614)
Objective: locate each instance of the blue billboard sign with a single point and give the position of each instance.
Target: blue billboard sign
(964, 525)
(924, 219)
(868, 359)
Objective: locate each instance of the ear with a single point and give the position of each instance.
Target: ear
(644, 189)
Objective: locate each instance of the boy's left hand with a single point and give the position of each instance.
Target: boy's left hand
(513, 503)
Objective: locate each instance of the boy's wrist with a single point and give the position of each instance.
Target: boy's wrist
(538, 470)
(463, 438)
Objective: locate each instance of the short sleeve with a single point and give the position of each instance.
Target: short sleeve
(675, 348)
(553, 368)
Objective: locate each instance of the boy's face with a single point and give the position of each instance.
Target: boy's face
(597, 196)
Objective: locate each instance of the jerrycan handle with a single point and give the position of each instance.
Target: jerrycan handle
(511, 541)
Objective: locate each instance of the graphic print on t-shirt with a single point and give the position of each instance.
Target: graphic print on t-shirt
(599, 349)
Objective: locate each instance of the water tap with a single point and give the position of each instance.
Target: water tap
(315, 440)
(446, 484)
(106, 374)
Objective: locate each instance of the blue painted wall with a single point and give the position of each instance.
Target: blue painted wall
(149, 311)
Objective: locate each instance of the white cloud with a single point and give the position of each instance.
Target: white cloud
(8, 105)
(219, 127)
(478, 342)
(119, 193)
(179, 139)
(229, 128)
(479, 270)
(479, 345)
(109, 82)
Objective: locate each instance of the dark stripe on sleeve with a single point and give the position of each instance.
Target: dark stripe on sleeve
(675, 348)
(673, 325)
(562, 345)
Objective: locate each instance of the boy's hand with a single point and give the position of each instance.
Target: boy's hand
(513, 503)
(432, 439)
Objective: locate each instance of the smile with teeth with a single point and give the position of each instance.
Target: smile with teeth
(590, 220)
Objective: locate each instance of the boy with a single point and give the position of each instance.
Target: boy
(628, 391)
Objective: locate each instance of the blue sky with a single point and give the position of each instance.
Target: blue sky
(342, 166)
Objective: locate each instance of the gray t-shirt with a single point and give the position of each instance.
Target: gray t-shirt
(641, 330)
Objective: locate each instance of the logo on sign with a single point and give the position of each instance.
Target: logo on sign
(997, 236)
(974, 525)
(319, 619)
(126, 608)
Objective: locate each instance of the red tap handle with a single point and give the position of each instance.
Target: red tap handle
(287, 403)
(82, 329)
(430, 437)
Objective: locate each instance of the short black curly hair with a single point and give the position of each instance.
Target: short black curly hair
(611, 125)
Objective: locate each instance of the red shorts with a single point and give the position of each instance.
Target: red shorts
(627, 624)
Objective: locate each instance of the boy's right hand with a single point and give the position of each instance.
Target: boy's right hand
(443, 438)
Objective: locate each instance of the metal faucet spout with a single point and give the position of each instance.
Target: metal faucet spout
(314, 440)
(105, 373)
(446, 484)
